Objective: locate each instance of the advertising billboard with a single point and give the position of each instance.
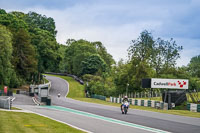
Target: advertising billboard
(169, 83)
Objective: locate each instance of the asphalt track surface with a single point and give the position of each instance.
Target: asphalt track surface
(165, 122)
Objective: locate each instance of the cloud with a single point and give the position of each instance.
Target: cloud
(115, 23)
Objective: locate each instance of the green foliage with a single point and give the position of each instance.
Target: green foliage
(24, 53)
(46, 47)
(147, 58)
(61, 52)
(194, 66)
(42, 22)
(12, 22)
(83, 57)
(34, 47)
(93, 64)
(7, 74)
(101, 50)
(99, 85)
(2, 11)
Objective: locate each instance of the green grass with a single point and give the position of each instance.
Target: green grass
(45, 80)
(77, 92)
(14, 108)
(15, 122)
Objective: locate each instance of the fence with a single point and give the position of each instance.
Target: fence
(98, 97)
(142, 94)
(5, 102)
(139, 102)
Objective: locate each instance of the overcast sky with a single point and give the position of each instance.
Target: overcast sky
(116, 22)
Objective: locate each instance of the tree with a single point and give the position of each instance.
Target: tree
(194, 66)
(24, 60)
(148, 58)
(142, 48)
(35, 20)
(76, 52)
(2, 11)
(7, 74)
(140, 54)
(101, 50)
(171, 53)
(46, 49)
(93, 64)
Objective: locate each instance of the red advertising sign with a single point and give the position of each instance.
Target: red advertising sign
(5, 89)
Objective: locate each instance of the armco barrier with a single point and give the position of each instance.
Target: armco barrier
(193, 107)
(139, 102)
(188, 106)
(146, 103)
(142, 102)
(136, 102)
(149, 103)
(198, 107)
(153, 103)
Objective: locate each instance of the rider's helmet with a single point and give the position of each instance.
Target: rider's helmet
(125, 97)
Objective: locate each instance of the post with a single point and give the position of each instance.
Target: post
(166, 93)
(86, 91)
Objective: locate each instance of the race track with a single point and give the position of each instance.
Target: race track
(101, 118)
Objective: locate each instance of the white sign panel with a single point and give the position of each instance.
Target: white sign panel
(169, 83)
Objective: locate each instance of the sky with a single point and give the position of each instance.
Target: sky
(116, 22)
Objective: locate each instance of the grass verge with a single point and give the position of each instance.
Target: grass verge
(77, 92)
(14, 108)
(15, 122)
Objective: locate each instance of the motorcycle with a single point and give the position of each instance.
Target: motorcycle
(125, 106)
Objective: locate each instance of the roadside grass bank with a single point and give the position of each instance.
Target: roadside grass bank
(76, 91)
(14, 108)
(17, 122)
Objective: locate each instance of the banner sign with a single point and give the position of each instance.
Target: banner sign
(169, 83)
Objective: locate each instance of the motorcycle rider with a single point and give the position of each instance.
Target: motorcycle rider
(125, 99)
(58, 94)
